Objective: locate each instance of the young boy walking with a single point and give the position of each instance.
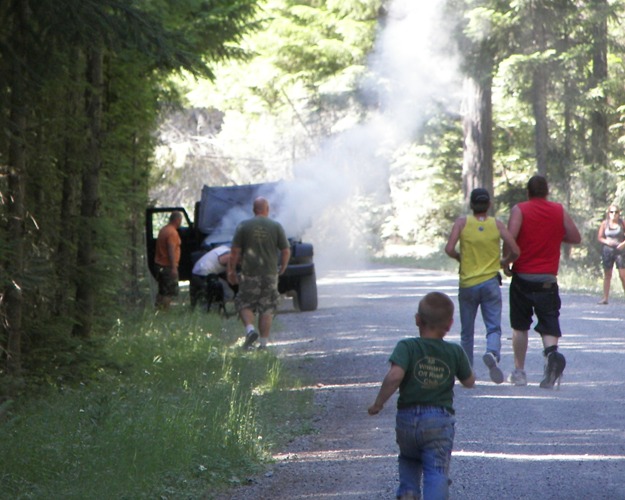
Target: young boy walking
(424, 369)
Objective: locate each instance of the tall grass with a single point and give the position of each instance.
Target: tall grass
(178, 411)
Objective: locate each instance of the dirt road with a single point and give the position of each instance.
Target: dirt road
(511, 442)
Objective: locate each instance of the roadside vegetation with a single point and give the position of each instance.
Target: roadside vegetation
(175, 410)
(109, 107)
(165, 406)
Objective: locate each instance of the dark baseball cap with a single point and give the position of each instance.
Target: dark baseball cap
(480, 195)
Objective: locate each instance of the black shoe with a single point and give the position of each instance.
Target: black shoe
(250, 338)
(553, 370)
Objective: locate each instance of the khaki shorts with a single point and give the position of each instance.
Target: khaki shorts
(258, 293)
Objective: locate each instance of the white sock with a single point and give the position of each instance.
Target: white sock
(249, 328)
(263, 341)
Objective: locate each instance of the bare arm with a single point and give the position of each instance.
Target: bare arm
(511, 249)
(389, 385)
(601, 234)
(233, 261)
(224, 258)
(450, 248)
(285, 255)
(514, 227)
(571, 233)
(621, 245)
(171, 252)
(515, 221)
(469, 382)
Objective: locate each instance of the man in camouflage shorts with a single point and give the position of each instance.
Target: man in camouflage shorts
(255, 246)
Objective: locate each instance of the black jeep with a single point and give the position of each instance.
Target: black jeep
(216, 217)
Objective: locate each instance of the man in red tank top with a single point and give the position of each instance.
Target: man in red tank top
(539, 227)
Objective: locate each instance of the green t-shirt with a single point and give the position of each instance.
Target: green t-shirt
(431, 366)
(260, 239)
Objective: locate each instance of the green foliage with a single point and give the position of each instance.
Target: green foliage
(45, 48)
(320, 39)
(175, 411)
(274, 108)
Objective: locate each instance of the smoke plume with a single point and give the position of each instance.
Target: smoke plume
(336, 195)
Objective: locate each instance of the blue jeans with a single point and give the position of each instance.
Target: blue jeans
(486, 296)
(425, 435)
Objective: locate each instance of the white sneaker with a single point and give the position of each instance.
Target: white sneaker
(518, 377)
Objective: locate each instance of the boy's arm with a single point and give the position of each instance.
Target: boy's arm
(389, 385)
(469, 382)
(465, 367)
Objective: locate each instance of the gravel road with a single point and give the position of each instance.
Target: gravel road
(511, 442)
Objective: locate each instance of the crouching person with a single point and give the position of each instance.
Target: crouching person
(208, 278)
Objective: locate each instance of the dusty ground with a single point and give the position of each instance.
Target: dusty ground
(511, 442)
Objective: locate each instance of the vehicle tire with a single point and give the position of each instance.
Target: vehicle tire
(305, 298)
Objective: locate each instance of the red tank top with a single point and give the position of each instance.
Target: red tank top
(540, 237)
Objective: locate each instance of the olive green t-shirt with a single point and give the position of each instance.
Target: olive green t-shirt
(260, 239)
(431, 367)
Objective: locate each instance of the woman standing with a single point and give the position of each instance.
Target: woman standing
(611, 235)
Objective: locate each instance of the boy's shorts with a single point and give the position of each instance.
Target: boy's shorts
(542, 299)
(258, 293)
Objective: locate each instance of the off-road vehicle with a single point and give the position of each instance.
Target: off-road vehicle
(216, 217)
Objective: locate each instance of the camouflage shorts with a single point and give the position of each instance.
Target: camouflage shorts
(167, 284)
(258, 293)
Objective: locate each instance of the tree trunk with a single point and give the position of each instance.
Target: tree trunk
(599, 120)
(541, 128)
(65, 255)
(14, 299)
(477, 164)
(14, 264)
(539, 91)
(87, 256)
(136, 226)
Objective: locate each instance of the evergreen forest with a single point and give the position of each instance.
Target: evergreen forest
(384, 114)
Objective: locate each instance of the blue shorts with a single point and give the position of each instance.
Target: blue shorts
(528, 298)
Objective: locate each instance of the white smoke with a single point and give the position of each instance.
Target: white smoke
(336, 197)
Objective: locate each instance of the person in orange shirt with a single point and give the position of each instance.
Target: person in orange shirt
(167, 258)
